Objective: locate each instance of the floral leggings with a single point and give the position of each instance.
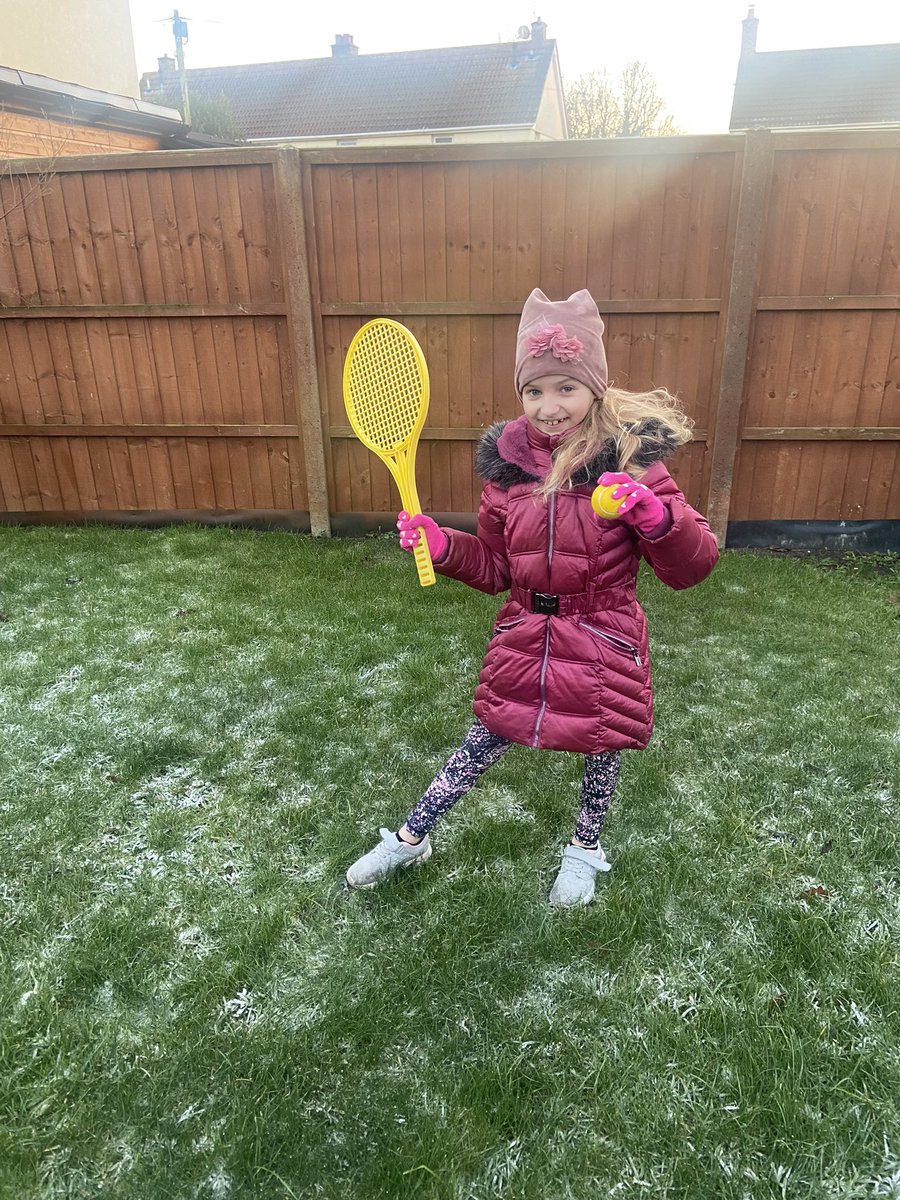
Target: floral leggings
(480, 750)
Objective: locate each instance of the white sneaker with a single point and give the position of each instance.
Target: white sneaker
(574, 886)
(385, 858)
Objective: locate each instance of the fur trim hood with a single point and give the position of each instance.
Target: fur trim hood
(514, 463)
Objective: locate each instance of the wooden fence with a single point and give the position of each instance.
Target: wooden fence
(174, 324)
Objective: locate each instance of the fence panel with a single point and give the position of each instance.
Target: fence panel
(143, 347)
(822, 401)
(100, 399)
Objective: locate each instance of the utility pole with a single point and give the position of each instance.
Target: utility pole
(180, 32)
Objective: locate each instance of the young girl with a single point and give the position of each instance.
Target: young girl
(567, 665)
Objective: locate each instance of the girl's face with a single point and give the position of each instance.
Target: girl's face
(556, 403)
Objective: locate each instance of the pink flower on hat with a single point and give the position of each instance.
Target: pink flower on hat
(555, 339)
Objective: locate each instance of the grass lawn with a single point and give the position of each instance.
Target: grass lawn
(202, 728)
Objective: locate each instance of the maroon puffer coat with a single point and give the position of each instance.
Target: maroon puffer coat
(567, 666)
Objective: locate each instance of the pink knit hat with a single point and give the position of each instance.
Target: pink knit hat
(561, 337)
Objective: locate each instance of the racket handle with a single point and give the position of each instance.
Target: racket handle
(423, 561)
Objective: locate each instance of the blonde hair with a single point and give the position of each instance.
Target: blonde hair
(637, 422)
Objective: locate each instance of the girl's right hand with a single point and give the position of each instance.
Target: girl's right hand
(409, 534)
(640, 507)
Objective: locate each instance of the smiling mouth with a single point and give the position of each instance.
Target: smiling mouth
(555, 421)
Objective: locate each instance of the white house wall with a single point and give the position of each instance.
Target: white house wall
(88, 42)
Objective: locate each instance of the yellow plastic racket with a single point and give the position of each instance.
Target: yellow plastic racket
(386, 397)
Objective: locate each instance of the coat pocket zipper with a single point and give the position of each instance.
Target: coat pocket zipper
(617, 642)
(504, 625)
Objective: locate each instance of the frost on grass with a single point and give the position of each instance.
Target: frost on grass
(313, 871)
(194, 939)
(684, 996)
(241, 1008)
(178, 787)
(217, 1184)
(195, 1109)
(886, 1187)
(384, 677)
(172, 833)
(554, 987)
(66, 683)
(296, 993)
(122, 1161)
(503, 1164)
(51, 756)
(503, 804)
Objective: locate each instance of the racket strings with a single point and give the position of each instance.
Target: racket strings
(385, 387)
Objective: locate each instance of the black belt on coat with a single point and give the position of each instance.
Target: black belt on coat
(568, 604)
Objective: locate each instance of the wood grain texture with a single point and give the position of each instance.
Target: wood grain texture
(173, 326)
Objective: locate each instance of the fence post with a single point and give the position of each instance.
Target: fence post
(756, 173)
(301, 335)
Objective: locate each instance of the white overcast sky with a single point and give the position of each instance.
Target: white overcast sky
(691, 47)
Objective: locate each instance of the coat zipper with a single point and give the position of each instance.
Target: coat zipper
(619, 643)
(552, 530)
(551, 527)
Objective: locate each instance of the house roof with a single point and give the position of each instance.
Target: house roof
(463, 87)
(842, 85)
(24, 91)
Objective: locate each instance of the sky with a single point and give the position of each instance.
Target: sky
(691, 47)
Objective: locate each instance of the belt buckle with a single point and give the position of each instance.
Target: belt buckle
(545, 602)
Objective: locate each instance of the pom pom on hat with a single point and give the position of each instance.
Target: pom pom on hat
(561, 337)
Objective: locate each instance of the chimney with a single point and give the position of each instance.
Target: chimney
(166, 65)
(539, 30)
(748, 36)
(343, 45)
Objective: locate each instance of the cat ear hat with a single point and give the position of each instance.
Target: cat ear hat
(561, 337)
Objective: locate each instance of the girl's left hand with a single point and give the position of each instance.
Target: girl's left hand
(641, 508)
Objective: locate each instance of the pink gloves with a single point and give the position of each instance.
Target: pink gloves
(641, 508)
(409, 534)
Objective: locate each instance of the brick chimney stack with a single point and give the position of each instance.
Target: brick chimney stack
(343, 45)
(748, 35)
(539, 30)
(166, 65)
